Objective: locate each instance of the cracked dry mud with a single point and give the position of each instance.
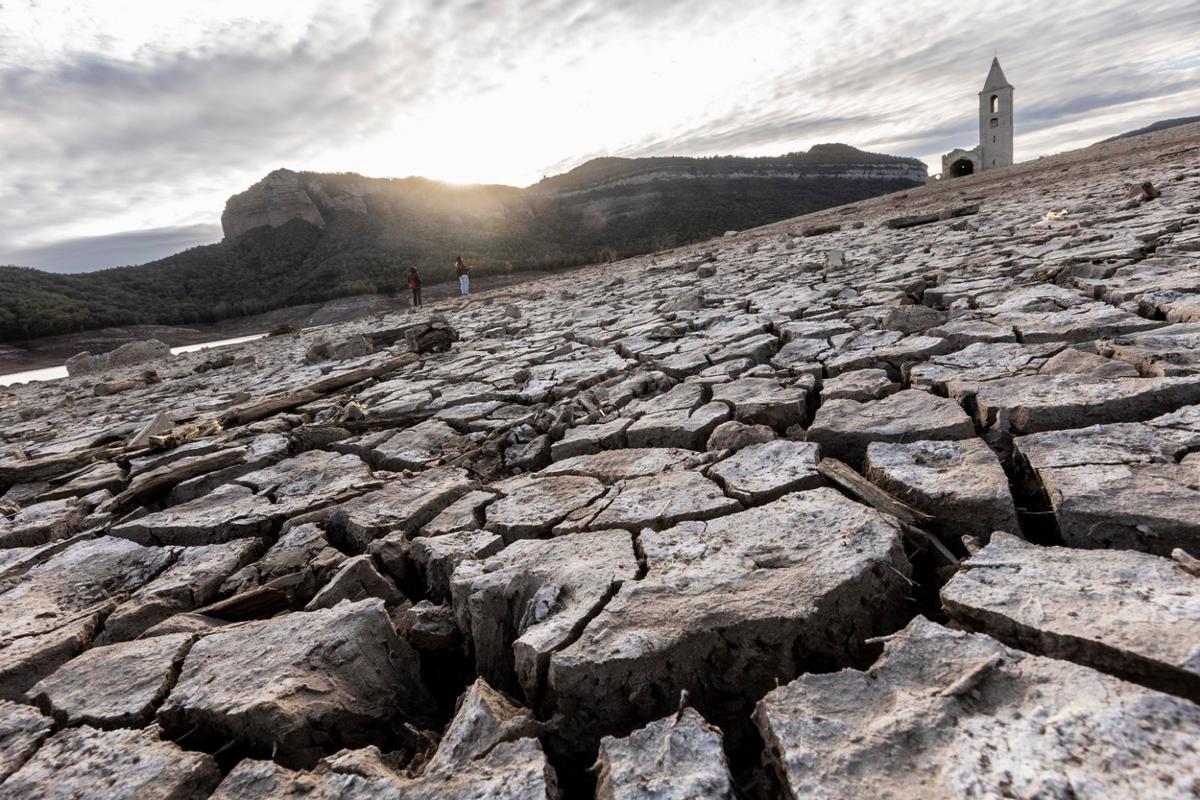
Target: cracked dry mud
(721, 521)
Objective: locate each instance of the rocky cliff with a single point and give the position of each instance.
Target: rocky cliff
(276, 199)
(284, 195)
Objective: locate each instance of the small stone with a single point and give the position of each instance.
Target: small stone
(736, 435)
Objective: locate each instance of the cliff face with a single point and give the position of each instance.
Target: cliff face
(626, 185)
(276, 199)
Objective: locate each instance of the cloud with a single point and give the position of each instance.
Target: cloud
(112, 250)
(146, 122)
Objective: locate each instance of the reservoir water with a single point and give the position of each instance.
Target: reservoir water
(53, 373)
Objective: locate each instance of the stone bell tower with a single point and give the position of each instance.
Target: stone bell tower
(996, 120)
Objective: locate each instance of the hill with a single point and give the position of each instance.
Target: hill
(302, 237)
(1161, 125)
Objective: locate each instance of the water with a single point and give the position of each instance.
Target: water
(54, 373)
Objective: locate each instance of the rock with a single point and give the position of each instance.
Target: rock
(431, 337)
(912, 319)
(653, 501)
(676, 758)
(308, 481)
(511, 771)
(357, 578)
(859, 385)
(845, 428)
(42, 523)
(1120, 485)
(230, 512)
(356, 346)
(103, 477)
(51, 614)
(22, 730)
(761, 473)
(124, 356)
(438, 556)
(1029, 404)
(120, 685)
(586, 439)
(304, 549)
(1129, 614)
(404, 505)
(192, 581)
(991, 722)
(530, 506)
(524, 603)
(86, 764)
(464, 514)
(1078, 362)
(300, 683)
(429, 628)
(531, 455)
(416, 447)
(961, 484)
(680, 428)
(764, 401)
(484, 719)
(614, 465)
(736, 435)
(275, 200)
(727, 608)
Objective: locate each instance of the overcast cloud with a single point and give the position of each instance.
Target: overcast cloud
(122, 132)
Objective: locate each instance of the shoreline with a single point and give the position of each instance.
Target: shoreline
(53, 351)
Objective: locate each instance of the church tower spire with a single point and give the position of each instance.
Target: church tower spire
(996, 120)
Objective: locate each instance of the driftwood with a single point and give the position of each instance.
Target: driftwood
(168, 476)
(258, 603)
(106, 388)
(261, 409)
(183, 434)
(910, 519)
(914, 220)
(972, 677)
(29, 470)
(1190, 563)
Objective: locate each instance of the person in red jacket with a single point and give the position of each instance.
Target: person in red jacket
(414, 283)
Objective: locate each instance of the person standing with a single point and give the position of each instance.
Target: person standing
(464, 276)
(414, 283)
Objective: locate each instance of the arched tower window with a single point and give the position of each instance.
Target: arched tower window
(995, 103)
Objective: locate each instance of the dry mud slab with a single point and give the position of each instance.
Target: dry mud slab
(952, 714)
(564, 539)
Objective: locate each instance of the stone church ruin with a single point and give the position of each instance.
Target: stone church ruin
(995, 148)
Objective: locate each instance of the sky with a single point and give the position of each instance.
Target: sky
(124, 126)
